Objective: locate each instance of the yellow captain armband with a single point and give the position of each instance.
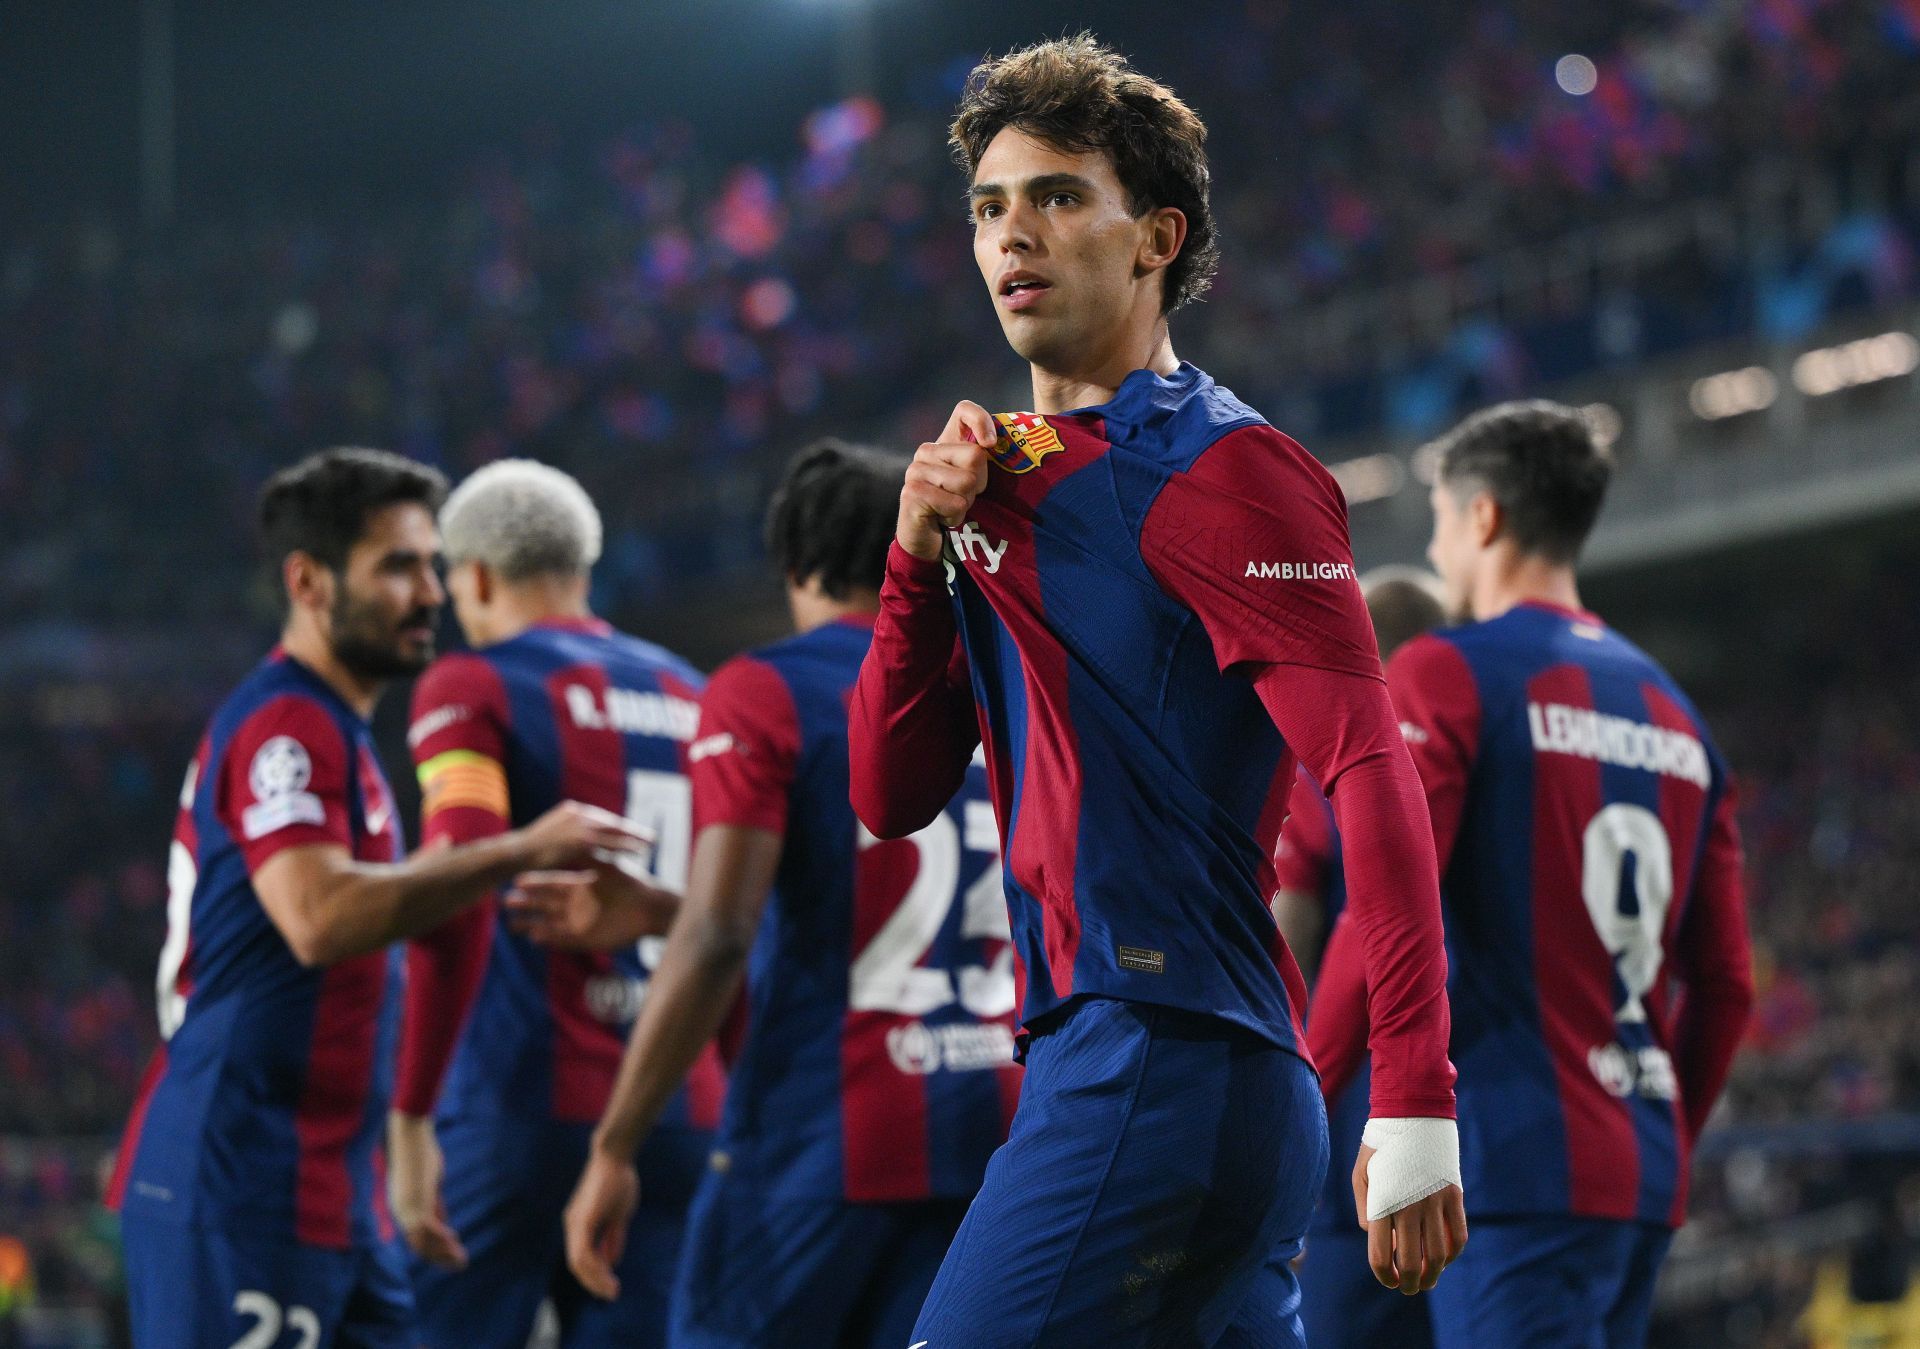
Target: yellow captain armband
(463, 777)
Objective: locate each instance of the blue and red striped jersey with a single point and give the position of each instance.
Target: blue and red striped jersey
(877, 1059)
(566, 710)
(1596, 928)
(1151, 612)
(264, 1107)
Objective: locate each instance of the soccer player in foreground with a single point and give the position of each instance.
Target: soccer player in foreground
(550, 703)
(1596, 928)
(248, 1175)
(1342, 1306)
(1146, 611)
(876, 1075)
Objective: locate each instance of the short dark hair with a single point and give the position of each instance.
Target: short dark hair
(1541, 464)
(832, 518)
(1077, 95)
(321, 505)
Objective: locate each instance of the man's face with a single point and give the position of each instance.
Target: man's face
(1058, 245)
(386, 600)
(1453, 551)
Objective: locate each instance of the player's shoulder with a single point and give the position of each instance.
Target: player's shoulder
(1174, 419)
(458, 675)
(1437, 660)
(650, 659)
(277, 693)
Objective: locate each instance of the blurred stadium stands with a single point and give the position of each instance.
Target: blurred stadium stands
(1418, 221)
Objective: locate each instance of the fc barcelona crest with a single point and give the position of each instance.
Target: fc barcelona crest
(1025, 439)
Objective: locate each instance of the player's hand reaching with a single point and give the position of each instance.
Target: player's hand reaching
(943, 480)
(573, 835)
(1406, 1194)
(599, 908)
(414, 1170)
(597, 1218)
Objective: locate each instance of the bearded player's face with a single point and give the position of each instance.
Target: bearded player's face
(386, 600)
(1058, 245)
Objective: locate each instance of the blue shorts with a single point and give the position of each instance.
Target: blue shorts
(195, 1287)
(1159, 1161)
(800, 1274)
(1345, 1307)
(507, 1184)
(1550, 1283)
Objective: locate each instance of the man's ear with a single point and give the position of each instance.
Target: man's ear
(1485, 518)
(1165, 236)
(485, 583)
(309, 581)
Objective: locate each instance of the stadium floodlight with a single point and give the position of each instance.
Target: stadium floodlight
(1372, 477)
(1826, 370)
(1603, 419)
(1576, 74)
(1733, 393)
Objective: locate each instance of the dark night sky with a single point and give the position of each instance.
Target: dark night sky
(274, 94)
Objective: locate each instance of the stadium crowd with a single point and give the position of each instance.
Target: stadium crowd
(666, 325)
(664, 322)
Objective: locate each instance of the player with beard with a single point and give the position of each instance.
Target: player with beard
(248, 1176)
(1147, 612)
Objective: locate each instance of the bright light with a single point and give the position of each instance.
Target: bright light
(1734, 393)
(1371, 477)
(1576, 74)
(1851, 364)
(1426, 464)
(1603, 420)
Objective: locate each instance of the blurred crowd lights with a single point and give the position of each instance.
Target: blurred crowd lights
(1816, 373)
(1733, 393)
(1576, 74)
(1851, 364)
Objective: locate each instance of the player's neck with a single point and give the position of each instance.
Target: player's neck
(1098, 378)
(812, 608)
(312, 650)
(1517, 580)
(541, 599)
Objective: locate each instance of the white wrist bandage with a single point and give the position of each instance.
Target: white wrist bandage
(1412, 1159)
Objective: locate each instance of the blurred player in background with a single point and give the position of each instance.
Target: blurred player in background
(550, 704)
(1596, 928)
(1402, 603)
(1146, 612)
(249, 1173)
(1341, 1303)
(876, 1075)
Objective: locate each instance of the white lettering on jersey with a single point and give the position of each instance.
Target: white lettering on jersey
(1300, 571)
(960, 1047)
(1413, 734)
(970, 544)
(709, 746)
(1558, 729)
(435, 721)
(633, 713)
(279, 775)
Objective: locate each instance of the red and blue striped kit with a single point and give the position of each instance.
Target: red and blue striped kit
(877, 1059)
(566, 710)
(265, 1105)
(1592, 894)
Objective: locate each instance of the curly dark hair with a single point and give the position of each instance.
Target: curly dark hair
(832, 517)
(320, 506)
(1078, 95)
(1541, 464)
